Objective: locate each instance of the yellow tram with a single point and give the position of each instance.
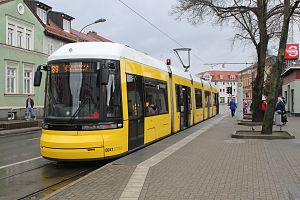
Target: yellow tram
(105, 99)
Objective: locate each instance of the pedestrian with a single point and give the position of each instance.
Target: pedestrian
(244, 106)
(263, 106)
(280, 106)
(29, 108)
(232, 107)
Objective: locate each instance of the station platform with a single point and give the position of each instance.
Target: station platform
(202, 162)
(11, 127)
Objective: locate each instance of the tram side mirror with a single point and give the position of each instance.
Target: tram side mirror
(104, 76)
(37, 78)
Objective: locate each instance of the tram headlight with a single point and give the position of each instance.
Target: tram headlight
(45, 126)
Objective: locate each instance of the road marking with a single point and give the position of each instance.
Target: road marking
(17, 163)
(136, 182)
(34, 138)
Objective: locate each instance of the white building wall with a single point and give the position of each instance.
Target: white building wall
(286, 91)
(222, 88)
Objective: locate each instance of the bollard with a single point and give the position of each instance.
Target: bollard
(278, 120)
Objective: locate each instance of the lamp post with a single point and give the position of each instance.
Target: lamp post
(95, 22)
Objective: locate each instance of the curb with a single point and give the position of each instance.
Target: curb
(257, 135)
(20, 131)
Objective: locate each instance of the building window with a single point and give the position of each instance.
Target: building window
(11, 78)
(232, 77)
(19, 34)
(66, 25)
(28, 79)
(10, 34)
(42, 14)
(221, 77)
(220, 90)
(28, 39)
(222, 99)
(223, 83)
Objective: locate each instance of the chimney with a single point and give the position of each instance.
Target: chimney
(92, 34)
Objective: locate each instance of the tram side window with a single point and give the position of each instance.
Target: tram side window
(113, 90)
(216, 99)
(198, 94)
(207, 99)
(178, 97)
(151, 107)
(162, 98)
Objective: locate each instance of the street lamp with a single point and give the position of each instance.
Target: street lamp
(95, 22)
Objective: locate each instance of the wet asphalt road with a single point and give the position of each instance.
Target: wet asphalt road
(24, 172)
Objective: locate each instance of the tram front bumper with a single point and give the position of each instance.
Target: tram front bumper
(65, 147)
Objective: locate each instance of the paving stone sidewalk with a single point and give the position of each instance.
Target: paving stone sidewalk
(212, 166)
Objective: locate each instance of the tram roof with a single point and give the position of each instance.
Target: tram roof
(114, 51)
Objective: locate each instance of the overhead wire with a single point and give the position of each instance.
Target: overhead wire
(157, 28)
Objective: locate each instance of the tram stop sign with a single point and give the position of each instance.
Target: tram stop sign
(291, 52)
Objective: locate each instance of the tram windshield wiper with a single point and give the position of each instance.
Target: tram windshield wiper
(83, 103)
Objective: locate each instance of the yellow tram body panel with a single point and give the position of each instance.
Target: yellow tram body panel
(156, 127)
(214, 108)
(85, 145)
(205, 109)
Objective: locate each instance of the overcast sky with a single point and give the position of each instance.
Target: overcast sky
(209, 44)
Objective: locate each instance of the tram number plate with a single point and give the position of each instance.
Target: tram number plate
(109, 149)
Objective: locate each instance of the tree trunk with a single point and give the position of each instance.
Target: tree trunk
(261, 50)
(277, 69)
(257, 89)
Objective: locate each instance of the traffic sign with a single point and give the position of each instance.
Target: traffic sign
(291, 51)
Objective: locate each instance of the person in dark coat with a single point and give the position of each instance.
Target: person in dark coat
(232, 106)
(29, 107)
(280, 106)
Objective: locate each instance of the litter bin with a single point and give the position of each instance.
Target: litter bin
(277, 118)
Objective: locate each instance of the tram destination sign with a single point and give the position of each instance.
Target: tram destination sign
(69, 67)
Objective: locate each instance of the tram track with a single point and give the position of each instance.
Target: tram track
(38, 194)
(40, 181)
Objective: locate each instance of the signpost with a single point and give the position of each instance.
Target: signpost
(240, 103)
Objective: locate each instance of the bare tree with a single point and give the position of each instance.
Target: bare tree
(277, 67)
(255, 21)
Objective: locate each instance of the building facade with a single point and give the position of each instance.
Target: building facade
(291, 89)
(248, 75)
(222, 80)
(30, 32)
(21, 50)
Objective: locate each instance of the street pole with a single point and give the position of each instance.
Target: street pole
(95, 22)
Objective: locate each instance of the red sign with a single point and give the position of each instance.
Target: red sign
(291, 51)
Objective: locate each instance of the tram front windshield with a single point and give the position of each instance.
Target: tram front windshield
(74, 92)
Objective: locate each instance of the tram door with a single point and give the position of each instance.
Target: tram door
(135, 111)
(185, 114)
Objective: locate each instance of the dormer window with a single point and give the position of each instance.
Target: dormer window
(42, 14)
(67, 25)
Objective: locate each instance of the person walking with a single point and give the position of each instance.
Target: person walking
(232, 107)
(29, 108)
